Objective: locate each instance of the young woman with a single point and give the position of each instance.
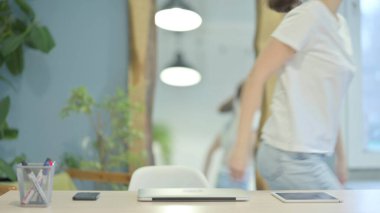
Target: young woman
(311, 52)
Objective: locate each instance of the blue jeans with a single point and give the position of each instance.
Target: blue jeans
(225, 180)
(285, 170)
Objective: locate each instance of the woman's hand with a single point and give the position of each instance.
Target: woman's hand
(237, 163)
(340, 161)
(269, 62)
(341, 170)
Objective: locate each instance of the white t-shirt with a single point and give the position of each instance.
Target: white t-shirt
(312, 85)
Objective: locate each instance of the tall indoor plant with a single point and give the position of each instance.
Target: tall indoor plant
(19, 29)
(111, 120)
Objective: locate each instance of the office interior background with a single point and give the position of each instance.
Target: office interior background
(92, 50)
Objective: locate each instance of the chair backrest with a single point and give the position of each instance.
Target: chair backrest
(167, 177)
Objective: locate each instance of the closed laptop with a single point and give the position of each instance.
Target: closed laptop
(192, 194)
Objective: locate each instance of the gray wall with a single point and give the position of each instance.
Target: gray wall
(91, 50)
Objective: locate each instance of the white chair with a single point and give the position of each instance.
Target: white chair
(167, 177)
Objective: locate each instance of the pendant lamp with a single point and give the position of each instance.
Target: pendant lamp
(180, 74)
(176, 15)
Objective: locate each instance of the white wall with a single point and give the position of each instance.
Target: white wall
(91, 50)
(222, 50)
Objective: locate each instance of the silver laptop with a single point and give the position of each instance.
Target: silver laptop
(192, 194)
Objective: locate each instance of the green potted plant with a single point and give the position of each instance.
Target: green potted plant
(18, 29)
(7, 172)
(111, 120)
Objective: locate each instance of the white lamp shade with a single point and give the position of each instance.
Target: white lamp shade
(180, 76)
(177, 19)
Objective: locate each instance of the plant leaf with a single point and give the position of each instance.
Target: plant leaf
(4, 7)
(10, 44)
(19, 27)
(41, 39)
(9, 134)
(1, 60)
(7, 170)
(26, 8)
(15, 61)
(7, 82)
(18, 159)
(5, 103)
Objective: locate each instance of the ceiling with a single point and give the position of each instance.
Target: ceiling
(221, 49)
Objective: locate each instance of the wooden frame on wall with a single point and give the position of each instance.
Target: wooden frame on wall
(142, 71)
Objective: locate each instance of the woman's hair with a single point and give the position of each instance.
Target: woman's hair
(239, 90)
(228, 106)
(283, 6)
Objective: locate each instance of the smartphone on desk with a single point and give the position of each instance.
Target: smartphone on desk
(86, 196)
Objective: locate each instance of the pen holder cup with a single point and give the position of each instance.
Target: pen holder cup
(35, 182)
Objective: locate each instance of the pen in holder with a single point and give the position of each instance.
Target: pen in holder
(35, 182)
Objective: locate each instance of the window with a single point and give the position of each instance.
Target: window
(370, 51)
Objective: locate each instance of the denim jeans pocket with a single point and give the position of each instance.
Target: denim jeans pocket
(269, 162)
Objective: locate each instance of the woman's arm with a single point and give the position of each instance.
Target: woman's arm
(270, 61)
(340, 161)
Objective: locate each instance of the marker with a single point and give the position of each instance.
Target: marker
(36, 182)
(44, 176)
(41, 178)
(50, 163)
(31, 191)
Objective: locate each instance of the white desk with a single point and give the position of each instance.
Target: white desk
(261, 201)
